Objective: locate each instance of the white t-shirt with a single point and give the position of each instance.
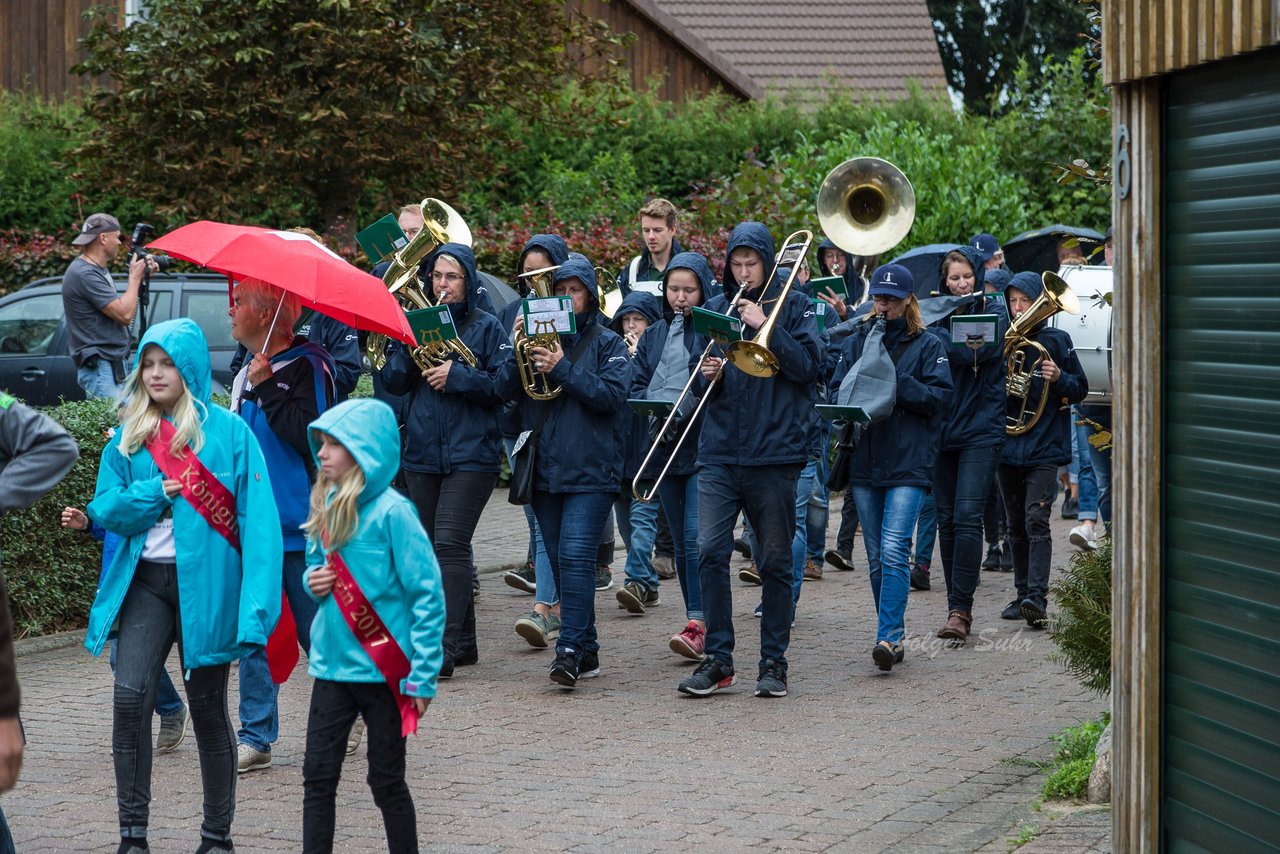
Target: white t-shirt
(159, 546)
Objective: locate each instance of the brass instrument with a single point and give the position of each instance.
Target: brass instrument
(537, 385)
(866, 206)
(432, 352)
(1019, 348)
(441, 225)
(753, 357)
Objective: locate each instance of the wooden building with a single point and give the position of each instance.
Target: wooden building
(1196, 677)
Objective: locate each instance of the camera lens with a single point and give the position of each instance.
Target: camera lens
(163, 262)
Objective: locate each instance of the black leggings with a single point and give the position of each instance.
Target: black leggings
(449, 506)
(149, 624)
(334, 706)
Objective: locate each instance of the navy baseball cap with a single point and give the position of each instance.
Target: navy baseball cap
(892, 280)
(986, 245)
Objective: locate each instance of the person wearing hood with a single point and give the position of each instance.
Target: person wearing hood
(452, 435)
(187, 488)
(637, 520)
(541, 625)
(658, 227)
(834, 261)
(891, 468)
(372, 571)
(1029, 462)
(750, 453)
(661, 373)
(282, 389)
(972, 436)
(574, 480)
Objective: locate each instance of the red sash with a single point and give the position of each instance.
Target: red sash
(374, 638)
(215, 503)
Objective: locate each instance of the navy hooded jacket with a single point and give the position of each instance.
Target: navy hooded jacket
(975, 416)
(558, 251)
(761, 421)
(852, 283)
(649, 355)
(902, 449)
(1049, 441)
(456, 429)
(580, 449)
(634, 426)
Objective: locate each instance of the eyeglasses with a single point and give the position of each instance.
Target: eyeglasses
(451, 278)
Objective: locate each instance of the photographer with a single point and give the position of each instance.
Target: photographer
(98, 318)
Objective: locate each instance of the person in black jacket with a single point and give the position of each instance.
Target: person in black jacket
(750, 454)
(1029, 462)
(661, 372)
(452, 442)
(972, 436)
(579, 461)
(892, 465)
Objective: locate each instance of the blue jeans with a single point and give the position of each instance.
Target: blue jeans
(679, 497)
(167, 700)
(545, 591)
(800, 538)
(818, 512)
(888, 517)
(571, 523)
(1101, 461)
(99, 382)
(767, 494)
(259, 712)
(1086, 483)
(961, 483)
(639, 535)
(926, 532)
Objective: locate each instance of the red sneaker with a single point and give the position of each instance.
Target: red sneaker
(690, 642)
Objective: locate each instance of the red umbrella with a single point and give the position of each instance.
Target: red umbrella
(295, 263)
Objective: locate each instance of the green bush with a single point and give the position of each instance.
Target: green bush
(1068, 777)
(1082, 628)
(36, 188)
(52, 572)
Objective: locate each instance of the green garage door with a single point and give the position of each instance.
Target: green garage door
(1221, 738)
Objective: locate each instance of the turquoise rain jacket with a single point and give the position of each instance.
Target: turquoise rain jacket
(390, 557)
(229, 601)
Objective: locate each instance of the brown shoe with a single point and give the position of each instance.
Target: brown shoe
(812, 571)
(957, 627)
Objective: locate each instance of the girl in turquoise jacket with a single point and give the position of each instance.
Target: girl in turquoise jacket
(194, 566)
(376, 638)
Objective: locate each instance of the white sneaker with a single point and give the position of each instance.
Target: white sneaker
(251, 759)
(355, 736)
(173, 729)
(1084, 538)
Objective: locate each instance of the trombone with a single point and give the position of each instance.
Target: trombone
(753, 359)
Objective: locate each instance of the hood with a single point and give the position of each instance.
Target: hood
(636, 302)
(186, 345)
(576, 266)
(366, 427)
(477, 295)
(753, 235)
(1028, 283)
(823, 269)
(552, 244)
(975, 261)
(997, 278)
(688, 261)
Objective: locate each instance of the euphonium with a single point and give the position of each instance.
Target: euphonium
(441, 225)
(434, 352)
(536, 384)
(1019, 348)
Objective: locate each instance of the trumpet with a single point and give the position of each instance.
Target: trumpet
(537, 385)
(1019, 350)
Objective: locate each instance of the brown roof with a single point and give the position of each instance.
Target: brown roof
(871, 46)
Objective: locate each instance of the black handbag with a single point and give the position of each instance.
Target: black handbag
(846, 442)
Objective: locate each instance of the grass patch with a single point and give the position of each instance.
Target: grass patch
(1068, 777)
(1025, 834)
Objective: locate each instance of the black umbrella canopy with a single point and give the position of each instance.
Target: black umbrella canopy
(1037, 251)
(924, 263)
(499, 291)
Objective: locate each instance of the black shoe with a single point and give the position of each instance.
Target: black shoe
(772, 681)
(604, 578)
(132, 846)
(468, 658)
(1070, 507)
(1012, 611)
(1006, 556)
(992, 560)
(1031, 611)
(920, 576)
(840, 560)
(886, 654)
(712, 675)
(522, 579)
(589, 665)
(446, 669)
(565, 669)
(741, 547)
(208, 846)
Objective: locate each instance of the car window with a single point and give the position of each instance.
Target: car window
(159, 309)
(28, 325)
(209, 311)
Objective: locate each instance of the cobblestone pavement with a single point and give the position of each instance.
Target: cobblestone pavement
(929, 758)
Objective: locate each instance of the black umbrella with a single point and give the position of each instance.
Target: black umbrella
(499, 291)
(924, 263)
(1037, 251)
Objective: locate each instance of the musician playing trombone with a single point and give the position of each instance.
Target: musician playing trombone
(452, 435)
(750, 454)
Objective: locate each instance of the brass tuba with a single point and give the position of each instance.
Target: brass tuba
(866, 206)
(441, 225)
(536, 384)
(1019, 349)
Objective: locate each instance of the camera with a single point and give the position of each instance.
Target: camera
(143, 233)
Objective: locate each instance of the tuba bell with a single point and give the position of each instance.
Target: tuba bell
(441, 225)
(537, 385)
(1020, 349)
(866, 206)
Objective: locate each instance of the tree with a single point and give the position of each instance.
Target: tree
(982, 41)
(293, 111)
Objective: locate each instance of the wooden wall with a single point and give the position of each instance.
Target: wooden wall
(39, 44)
(1143, 38)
